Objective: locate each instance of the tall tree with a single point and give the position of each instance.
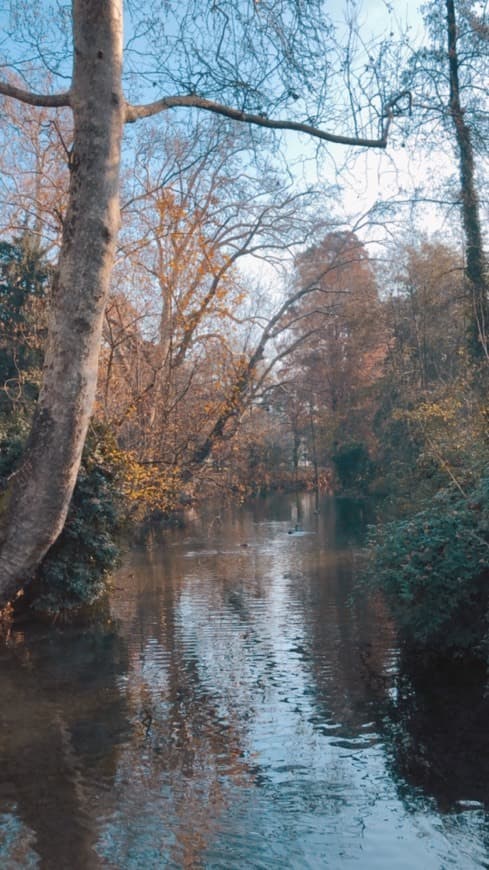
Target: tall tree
(475, 255)
(448, 79)
(343, 343)
(40, 493)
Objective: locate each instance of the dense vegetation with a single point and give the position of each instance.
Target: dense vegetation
(339, 366)
(378, 396)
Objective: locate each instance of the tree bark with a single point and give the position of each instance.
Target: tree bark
(41, 490)
(475, 260)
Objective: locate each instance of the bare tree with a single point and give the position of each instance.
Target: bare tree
(34, 144)
(448, 82)
(277, 33)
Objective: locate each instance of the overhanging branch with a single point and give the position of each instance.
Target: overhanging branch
(134, 113)
(47, 100)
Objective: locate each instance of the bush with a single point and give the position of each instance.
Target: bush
(353, 466)
(75, 571)
(434, 571)
(24, 279)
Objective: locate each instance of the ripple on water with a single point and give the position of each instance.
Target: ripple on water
(239, 712)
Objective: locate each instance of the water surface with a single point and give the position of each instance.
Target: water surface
(237, 710)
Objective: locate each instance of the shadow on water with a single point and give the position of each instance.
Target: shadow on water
(432, 715)
(437, 727)
(341, 522)
(62, 721)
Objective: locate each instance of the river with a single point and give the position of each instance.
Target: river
(239, 708)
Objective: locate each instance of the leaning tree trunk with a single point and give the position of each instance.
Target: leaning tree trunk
(42, 488)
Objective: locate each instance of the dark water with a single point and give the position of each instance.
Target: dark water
(237, 711)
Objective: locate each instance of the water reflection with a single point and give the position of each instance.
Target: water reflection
(437, 727)
(240, 711)
(62, 721)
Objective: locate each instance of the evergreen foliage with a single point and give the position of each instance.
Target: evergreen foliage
(23, 290)
(433, 568)
(353, 466)
(23, 293)
(75, 571)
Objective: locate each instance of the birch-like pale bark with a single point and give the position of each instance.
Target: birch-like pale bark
(42, 488)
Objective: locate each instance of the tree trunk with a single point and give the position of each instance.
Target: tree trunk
(475, 259)
(41, 490)
(315, 463)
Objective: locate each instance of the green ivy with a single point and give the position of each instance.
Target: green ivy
(75, 572)
(24, 278)
(433, 569)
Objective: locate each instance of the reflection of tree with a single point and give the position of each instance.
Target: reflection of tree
(232, 649)
(221, 651)
(346, 521)
(350, 690)
(193, 739)
(437, 732)
(432, 720)
(62, 719)
(349, 646)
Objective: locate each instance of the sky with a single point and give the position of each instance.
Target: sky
(372, 176)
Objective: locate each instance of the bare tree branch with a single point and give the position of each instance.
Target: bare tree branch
(134, 113)
(32, 99)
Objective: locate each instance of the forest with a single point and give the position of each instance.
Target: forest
(193, 311)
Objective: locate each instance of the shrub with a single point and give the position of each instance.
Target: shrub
(23, 292)
(353, 466)
(75, 571)
(434, 571)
